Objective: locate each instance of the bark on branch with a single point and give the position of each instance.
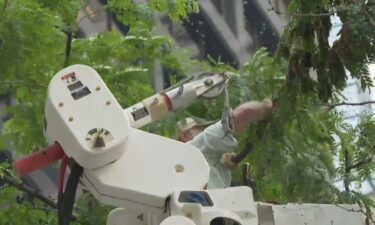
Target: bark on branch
(348, 103)
(68, 48)
(346, 166)
(359, 164)
(22, 187)
(22, 82)
(5, 5)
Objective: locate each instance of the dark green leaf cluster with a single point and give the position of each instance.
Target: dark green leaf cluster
(140, 16)
(306, 46)
(29, 56)
(357, 150)
(18, 208)
(292, 160)
(89, 211)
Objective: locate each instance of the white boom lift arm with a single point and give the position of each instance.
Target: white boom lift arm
(152, 179)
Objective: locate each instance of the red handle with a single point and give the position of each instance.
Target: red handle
(38, 160)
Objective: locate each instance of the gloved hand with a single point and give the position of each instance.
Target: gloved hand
(226, 160)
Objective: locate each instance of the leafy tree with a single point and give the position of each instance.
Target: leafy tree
(294, 154)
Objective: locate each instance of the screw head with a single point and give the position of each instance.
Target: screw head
(71, 119)
(97, 88)
(61, 104)
(179, 168)
(108, 102)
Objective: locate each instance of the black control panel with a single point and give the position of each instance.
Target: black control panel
(75, 86)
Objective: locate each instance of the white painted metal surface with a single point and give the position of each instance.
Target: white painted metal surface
(231, 204)
(317, 214)
(158, 106)
(79, 109)
(148, 172)
(123, 216)
(180, 220)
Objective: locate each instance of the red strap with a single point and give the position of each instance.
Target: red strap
(38, 160)
(167, 101)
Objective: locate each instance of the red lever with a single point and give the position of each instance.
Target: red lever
(38, 160)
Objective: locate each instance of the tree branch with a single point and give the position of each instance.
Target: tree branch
(5, 5)
(346, 166)
(69, 38)
(369, 18)
(359, 164)
(330, 13)
(21, 82)
(348, 103)
(365, 212)
(348, 209)
(22, 187)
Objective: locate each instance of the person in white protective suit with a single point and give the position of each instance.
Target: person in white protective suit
(216, 146)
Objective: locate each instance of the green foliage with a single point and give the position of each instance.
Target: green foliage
(176, 10)
(305, 44)
(26, 68)
(294, 154)
(292, 161)
(140, 16)
(88, 205)
(16, 211)
(357, 150)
